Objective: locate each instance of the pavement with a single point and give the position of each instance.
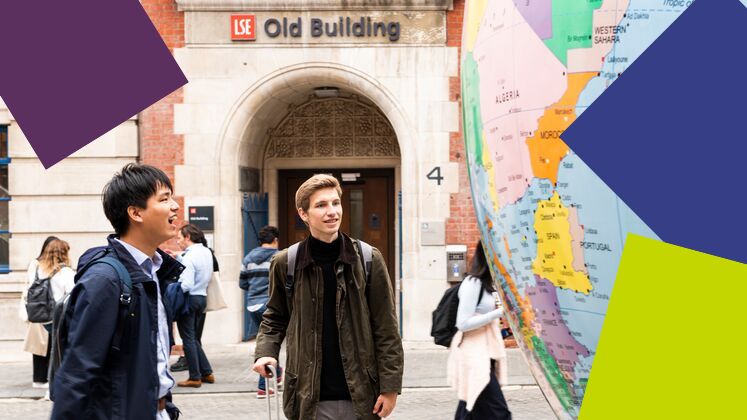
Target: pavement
(425, 393)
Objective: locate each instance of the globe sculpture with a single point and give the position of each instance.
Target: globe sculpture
(553, 230)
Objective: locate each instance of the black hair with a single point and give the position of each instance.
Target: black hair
(44, 246)
(268, 234)
(195, 234)
(132, 186)
(479, 268)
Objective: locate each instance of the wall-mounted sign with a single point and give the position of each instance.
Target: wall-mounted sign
(318, 27)
(201, 216)
(341, 27)
(243, 27)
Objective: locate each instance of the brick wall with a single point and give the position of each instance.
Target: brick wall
(461, 227)
(159, 146)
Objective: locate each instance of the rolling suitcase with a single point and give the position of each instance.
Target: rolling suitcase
(273, 379)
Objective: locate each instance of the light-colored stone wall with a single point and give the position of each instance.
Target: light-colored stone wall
(236, 94)
(64, 200)
(219, 121)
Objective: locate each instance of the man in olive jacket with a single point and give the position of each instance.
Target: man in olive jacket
(344, 352)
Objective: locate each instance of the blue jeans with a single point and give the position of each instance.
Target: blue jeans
(190, 329)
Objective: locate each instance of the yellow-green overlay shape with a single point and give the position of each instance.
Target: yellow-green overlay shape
(673, 342)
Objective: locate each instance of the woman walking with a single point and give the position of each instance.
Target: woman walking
(478, 357)
(53, 263)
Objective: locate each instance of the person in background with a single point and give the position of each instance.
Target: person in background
(53, 263)
(198, 262)
(477, 347)
(257, 272)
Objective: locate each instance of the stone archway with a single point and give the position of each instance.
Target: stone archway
(264, 103)
(245, 132)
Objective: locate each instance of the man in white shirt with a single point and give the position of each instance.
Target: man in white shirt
(198, 262)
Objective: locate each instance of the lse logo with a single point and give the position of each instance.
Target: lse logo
(243, 27)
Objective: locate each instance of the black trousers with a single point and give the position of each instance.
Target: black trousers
(490, 404)
(41, 363)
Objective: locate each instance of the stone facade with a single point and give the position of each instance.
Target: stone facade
(231, 116)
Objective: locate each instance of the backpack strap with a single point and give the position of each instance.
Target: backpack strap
(125, 297)
(366, 258)
(292, 253)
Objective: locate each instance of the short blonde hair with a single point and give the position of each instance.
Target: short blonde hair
(312, 185)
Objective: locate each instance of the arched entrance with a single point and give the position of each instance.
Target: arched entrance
(324, 130)
(251, 163)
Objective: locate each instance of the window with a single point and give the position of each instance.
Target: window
(4, 201)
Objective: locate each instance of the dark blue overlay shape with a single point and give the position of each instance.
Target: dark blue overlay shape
(671, 139)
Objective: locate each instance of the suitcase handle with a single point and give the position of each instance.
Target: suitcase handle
(273, 377)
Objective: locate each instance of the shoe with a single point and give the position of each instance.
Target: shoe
(262, 394)
(46, 396)
(210, 379)
(190, 383)
(180, 365)
(40, 385)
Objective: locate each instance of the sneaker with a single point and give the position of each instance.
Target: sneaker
(180, 365)
(40, 385)
(262, 394)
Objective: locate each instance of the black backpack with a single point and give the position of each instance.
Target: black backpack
(63, 314)
(443, 327)
(40, 300)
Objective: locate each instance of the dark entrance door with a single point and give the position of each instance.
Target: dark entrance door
(367, 207)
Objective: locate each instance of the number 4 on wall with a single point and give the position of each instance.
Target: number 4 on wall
(435, 175)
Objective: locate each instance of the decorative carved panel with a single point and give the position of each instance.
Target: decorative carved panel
(333, 127)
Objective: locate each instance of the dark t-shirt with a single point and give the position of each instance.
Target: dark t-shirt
(333, 384)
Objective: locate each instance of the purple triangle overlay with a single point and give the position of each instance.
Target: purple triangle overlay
(75, 70)
(670, 137)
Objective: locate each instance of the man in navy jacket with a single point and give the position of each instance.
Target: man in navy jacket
(94, 380)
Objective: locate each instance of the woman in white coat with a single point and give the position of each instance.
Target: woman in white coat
(53, 263)
(478, 358)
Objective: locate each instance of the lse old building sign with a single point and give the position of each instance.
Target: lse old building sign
(322, 27)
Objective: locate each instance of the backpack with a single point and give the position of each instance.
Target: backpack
(443, 327)
(40, 300)
(366, 252)
(63, 313)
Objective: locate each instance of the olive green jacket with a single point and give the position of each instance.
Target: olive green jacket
(370, 344)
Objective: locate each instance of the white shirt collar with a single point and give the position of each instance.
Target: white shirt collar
(140, 257)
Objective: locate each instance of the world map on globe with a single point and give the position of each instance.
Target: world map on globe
(553, 230)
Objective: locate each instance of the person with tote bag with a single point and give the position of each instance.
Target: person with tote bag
(198, 272)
